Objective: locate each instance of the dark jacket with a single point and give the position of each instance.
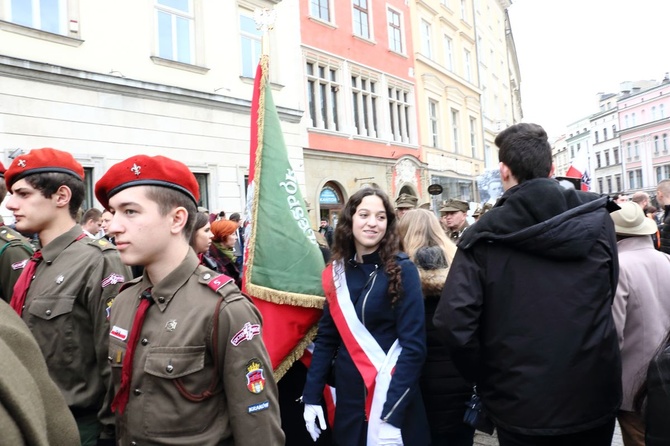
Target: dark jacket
(224, 264)
(445, 392)
(664, 229)
(658, 400)
(368, 284)
(526, 310)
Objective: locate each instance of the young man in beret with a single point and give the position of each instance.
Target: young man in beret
(67, 288)
(15, 250)
(188, 361)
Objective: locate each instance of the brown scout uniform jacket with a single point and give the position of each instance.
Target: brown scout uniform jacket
(67, 310)
(14, 251)
(173, 364)
(455, 235)
(33, 409)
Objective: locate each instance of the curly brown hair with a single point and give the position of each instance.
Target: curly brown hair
(343, 241)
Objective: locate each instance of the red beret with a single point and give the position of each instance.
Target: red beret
(42, 161)
(143, 170)
(2, 170)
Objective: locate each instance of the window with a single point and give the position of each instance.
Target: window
(605, 134)
(88, 188)
(615, 153)
(596, 135)
(609, 184)
(426, 40)
(614, 131)
(473, 137)
(467, 65)
(656, 145)
(662, 110)
(638, 178)
(665, 143)
(322, 95)
(631, 179)
(47, 15)
(454, 128)
(464, 11)
(634, 120)
(203, 186)
(250, 39)
(395, 31)
(448, 53)
(628, 152)
(175, 30)
(625, 121)
(653, 113)
(572, 151)
(600, 186)
(399, 113)
(617, 179)
(432, 114)
(361, 15)
(659, 174)
(320, 9)
(607, 157)
(636, 149)
(365, 100)
(598, 160)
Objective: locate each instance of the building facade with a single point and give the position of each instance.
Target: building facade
(180, 84)
(608, 173)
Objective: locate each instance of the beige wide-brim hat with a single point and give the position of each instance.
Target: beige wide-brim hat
(630, 220)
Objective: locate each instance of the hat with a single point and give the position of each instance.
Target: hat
(630, 220)
(42, 160)
(406, 201)
(454, 205)
(143, 170)
(222, 228)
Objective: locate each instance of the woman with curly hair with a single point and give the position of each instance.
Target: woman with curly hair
(445, 392)
(371, 333)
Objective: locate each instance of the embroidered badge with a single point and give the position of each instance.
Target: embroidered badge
(60, 279)
(113, 279)
(171, 325)
(8, 235)
(136, 169)
(258, 407)
(20, 265)
(246, 334)
(119, 333)
(255, 377)
(216, 283)
(103, 242)
(21, 163)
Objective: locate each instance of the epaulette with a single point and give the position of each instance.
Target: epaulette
(9, 235)
(130, 283)
(220, 284)
(102, 243)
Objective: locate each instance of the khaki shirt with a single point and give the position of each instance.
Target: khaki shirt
(174, 362)
(67, 310)
(14, 251)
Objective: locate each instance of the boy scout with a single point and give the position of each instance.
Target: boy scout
(15, 250)
(188, 362)
(74, 281)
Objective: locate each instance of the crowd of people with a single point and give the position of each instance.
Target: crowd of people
(543, 316)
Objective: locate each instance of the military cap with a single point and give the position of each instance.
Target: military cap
(40, 161)
(453, 205)
(406, 201)
(144, 170)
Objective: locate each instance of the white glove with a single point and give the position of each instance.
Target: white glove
(311, 414)
(389, 435)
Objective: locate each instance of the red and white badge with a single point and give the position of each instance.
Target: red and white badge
(119, 333)
(246, 334)
(20, 265)
(255, 377)
(113, 279)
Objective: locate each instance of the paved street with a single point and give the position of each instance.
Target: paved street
(488, 440)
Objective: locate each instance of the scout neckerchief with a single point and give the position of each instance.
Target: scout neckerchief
(372, 363)
(25, 279)
(121, 397)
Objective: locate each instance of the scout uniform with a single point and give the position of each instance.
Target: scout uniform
(67, 304)
(454, 205)
(15, 250)
(406, 201)
(190, 347)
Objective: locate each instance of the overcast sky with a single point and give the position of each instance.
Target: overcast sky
(571, 50)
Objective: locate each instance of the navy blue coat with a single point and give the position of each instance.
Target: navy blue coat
(403, 407)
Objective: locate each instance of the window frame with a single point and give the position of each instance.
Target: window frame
(355, 6)
(399, 28)
(190, 16)
(253, 38)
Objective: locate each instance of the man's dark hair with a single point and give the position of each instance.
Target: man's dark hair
(525, 149)
(49, 182)
(93, 213)
(169, 199)
(234, 217)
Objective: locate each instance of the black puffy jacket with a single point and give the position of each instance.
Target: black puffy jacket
(658, 400)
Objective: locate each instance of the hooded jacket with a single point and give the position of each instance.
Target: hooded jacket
(526, 310)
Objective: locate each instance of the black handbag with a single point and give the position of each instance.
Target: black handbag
(475, 415)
